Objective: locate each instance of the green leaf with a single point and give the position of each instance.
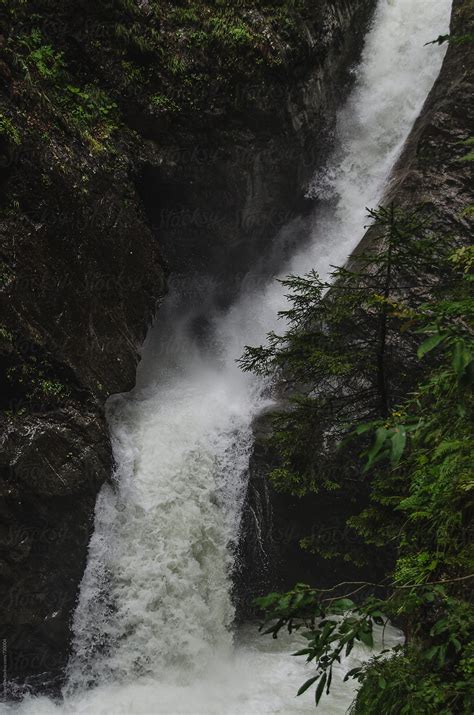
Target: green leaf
(366, 637)
(441, 39)
(380, 437)
(440, 627)
(383, 454)
(362, 429)
(307, 685)
(343, 604)
(328, 684)
(442, 655)
(398, 443)
(430, 343)
(457, 645)
(376, 614)
(320, 688)
(304, 651)
(431, 652)
(352, 673)
(462, 357)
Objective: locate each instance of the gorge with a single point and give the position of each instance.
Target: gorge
(153, 630)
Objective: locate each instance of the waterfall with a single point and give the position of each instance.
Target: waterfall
(153, 624)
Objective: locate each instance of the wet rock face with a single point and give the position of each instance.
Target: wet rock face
(81, 275)
(51, 471)
(270, 557)
(429, 173)
(89, 228)
(217, 197)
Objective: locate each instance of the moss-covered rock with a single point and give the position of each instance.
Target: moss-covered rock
(135, 137)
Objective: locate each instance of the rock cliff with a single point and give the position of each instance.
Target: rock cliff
(135, 138)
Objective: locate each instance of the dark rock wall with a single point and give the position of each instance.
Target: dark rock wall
(90, 217)
(219, 195)
(270, 557)
(430, 172)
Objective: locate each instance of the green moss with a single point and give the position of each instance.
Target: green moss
(5, 335)
(85, 109)
(163, 104)
(230, 32)
(134, 37)
(193, 53)
(88, 108)
(132, 73)
(53, 388)
(199, 38)
(8, 130)
(34, 381)
(186, 15)
(40, 57)
(177, 65)
(6, 275)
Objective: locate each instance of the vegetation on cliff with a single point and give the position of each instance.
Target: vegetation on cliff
(91, 65)
(118, 120)
(388, 350)
(85, 85)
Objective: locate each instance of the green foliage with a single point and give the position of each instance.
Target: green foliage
(470, 155)
(88, 108)
(185, 15)
(398, 686)
(133, 38)
(204, 57)
(417, 463)
(453, 39)
(8, 130)
(230, 32)
(6, 274)
(33, 383)
(40, 57)
(342, 359)
(85, 109)
(331, 626)
(163, 104)
(52, 388)
(5, 334)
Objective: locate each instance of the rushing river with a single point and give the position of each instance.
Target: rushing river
(153, 627)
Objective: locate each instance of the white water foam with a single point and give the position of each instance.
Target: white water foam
(153, 625)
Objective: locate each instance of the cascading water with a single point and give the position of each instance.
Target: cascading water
(152, 627)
